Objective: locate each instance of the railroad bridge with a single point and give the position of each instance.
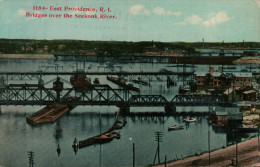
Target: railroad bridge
(34, 94)
(148, 76)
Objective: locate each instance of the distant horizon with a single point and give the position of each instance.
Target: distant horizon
(132, 41)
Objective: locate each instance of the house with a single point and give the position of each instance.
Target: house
(249, 95)
(215, 79)
(212, 78)
(220, 119)
(243, 79)
(232, 94)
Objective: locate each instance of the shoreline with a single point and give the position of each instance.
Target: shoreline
(248, 155)
(26, 56)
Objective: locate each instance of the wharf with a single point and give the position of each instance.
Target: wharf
(49, 114)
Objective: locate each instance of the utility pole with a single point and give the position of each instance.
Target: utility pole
(158, 138)
(236, 153)
(31, 156)
(236, 134)
(165, 161)
(209, 145)
(133, 154)
(258, 143)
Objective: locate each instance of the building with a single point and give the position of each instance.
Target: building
(232, 94)
(243, 79)
(210, 78)
(220, 119)
(166, 52)
(214, 79)
(248, 93)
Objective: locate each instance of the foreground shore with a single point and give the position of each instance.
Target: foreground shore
(248, 155)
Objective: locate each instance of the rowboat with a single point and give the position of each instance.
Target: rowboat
(175, 127)
(190, 120)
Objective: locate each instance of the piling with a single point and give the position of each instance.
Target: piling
(170, 108)
(124, 109)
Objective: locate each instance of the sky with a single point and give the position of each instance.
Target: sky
(136, 20)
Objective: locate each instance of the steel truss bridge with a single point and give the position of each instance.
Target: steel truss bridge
(148, 76)
(34, 94)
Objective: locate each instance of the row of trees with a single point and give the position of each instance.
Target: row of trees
(109, 47)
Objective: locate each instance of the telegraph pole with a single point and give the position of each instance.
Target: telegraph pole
(158, 138)
(209, 145)
(31, 156)
(133, 154)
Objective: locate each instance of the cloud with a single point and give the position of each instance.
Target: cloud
(162, 11)
(194, 19)
(139, 9)
(136, 9)
(21, 12)
(218, 18)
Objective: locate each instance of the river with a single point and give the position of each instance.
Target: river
(17, 137)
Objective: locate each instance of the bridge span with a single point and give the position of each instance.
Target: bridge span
(34, 94)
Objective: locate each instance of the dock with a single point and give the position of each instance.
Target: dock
(49, 114)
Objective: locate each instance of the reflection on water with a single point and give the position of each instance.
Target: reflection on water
(17, 137)
(52, 143)
(58, 132)
(83, 124)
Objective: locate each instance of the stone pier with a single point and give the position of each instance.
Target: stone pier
(170, 109)
(124, 109)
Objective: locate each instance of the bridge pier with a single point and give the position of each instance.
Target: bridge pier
(124, 109)
(0, 109)
(170, 108)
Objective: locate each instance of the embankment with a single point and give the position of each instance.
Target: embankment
(248, 155)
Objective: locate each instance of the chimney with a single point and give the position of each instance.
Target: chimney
(211, 70)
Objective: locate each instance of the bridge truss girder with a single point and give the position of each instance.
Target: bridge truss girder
(33, 94)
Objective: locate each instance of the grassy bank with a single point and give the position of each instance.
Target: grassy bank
(248, 155)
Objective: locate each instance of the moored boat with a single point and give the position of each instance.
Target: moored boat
(175, 127)
(190, 120)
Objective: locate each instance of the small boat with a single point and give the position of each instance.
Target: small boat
(115, 126)
(75, 143)
(175, 127)
(114, 135)
(190, 120)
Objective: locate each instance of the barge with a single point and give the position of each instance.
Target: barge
(49, 114)
(105, 137)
